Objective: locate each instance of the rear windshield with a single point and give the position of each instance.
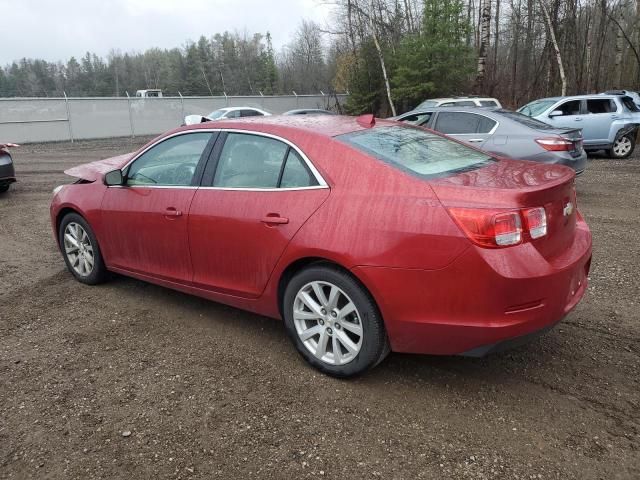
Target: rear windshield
(534, 109)
(526, 121)
(416, 151)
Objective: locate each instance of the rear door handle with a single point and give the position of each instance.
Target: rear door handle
(274, 219)
(172, 213)
(475, 140)
(577, 119)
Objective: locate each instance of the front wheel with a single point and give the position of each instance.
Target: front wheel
(333, 322)
(622, 147)
(4, 188)
(80, 250)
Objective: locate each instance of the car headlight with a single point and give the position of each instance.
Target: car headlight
(57, 189)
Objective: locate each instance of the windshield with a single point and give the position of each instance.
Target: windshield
(216, 114)
(534, 109)
(416, 151)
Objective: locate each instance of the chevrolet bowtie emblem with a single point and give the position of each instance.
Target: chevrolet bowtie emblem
(568, 209)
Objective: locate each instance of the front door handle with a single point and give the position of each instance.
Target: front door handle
(274, 219)
(475, 140)
(577, 119)
(172, 213)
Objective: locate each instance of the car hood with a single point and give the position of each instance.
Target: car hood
(95, 170)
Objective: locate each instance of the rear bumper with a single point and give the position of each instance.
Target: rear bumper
(577, 163)
(482, 299)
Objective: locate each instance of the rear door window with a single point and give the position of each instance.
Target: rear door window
(488, 103)
(601, 105)
(465, 103)
(461, 123)
(416, 151)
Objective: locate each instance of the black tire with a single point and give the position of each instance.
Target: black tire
(99, 271)
(4, 188)
(374, 347)
(611, 153)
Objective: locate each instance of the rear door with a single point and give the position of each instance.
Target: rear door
(600, 114)
(145, 220)
(472, 128)
(256, 194)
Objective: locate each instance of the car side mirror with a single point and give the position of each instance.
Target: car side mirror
(194, 119)
(113, 178)
(556, 113)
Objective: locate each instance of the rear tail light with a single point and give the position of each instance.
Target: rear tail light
(491, 228)
(536, 221)
(555, 144)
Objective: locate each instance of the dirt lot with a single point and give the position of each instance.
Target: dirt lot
(207, 391)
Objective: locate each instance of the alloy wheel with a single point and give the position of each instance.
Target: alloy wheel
(328, 323)
(622, 146)
(78, 249)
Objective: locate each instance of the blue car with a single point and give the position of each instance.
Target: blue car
(608, 122)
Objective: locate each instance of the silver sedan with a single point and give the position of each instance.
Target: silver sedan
(505, 133)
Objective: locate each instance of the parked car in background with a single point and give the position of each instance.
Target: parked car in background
(505, 133)
(635, 96)
(7, 170)
(608, 122)
(309, 111)
(365, 236)
(226, 113)
(149, 93)
(460, 102)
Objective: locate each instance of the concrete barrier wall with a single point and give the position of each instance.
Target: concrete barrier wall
(28, 120)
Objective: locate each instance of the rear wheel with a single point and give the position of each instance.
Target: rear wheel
(333, 322)
(80, 250)
(4, 188)
(622, 147)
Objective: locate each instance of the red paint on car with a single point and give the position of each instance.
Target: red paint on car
(439, 290)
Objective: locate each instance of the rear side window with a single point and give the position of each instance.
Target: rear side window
(465, 103)
(460, 123)
(604, 105)
(569, 108)
(629, 104)
(416, 151)
(488, 103)
(296, 173)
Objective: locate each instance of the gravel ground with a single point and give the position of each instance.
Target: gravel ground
(130, 380)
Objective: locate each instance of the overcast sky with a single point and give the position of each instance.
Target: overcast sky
(58, 29)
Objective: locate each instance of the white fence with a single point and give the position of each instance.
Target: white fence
(25, 120)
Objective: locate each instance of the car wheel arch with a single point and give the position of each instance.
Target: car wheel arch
(63, 213)
(300, 264)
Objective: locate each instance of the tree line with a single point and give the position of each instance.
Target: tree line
(388, 54)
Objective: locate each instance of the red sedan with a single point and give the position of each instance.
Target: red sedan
(365, 236)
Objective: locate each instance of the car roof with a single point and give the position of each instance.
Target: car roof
(451, 109)
(323, 125)
(576, 97)
(453, 99)
(232, 109)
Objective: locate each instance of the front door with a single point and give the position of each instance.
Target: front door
(262, 192)
(145, 219)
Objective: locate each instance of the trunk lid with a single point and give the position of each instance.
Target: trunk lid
(513, 184)
(575, 137)
(95, 170)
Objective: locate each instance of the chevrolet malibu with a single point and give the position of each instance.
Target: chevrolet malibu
(364, 236)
